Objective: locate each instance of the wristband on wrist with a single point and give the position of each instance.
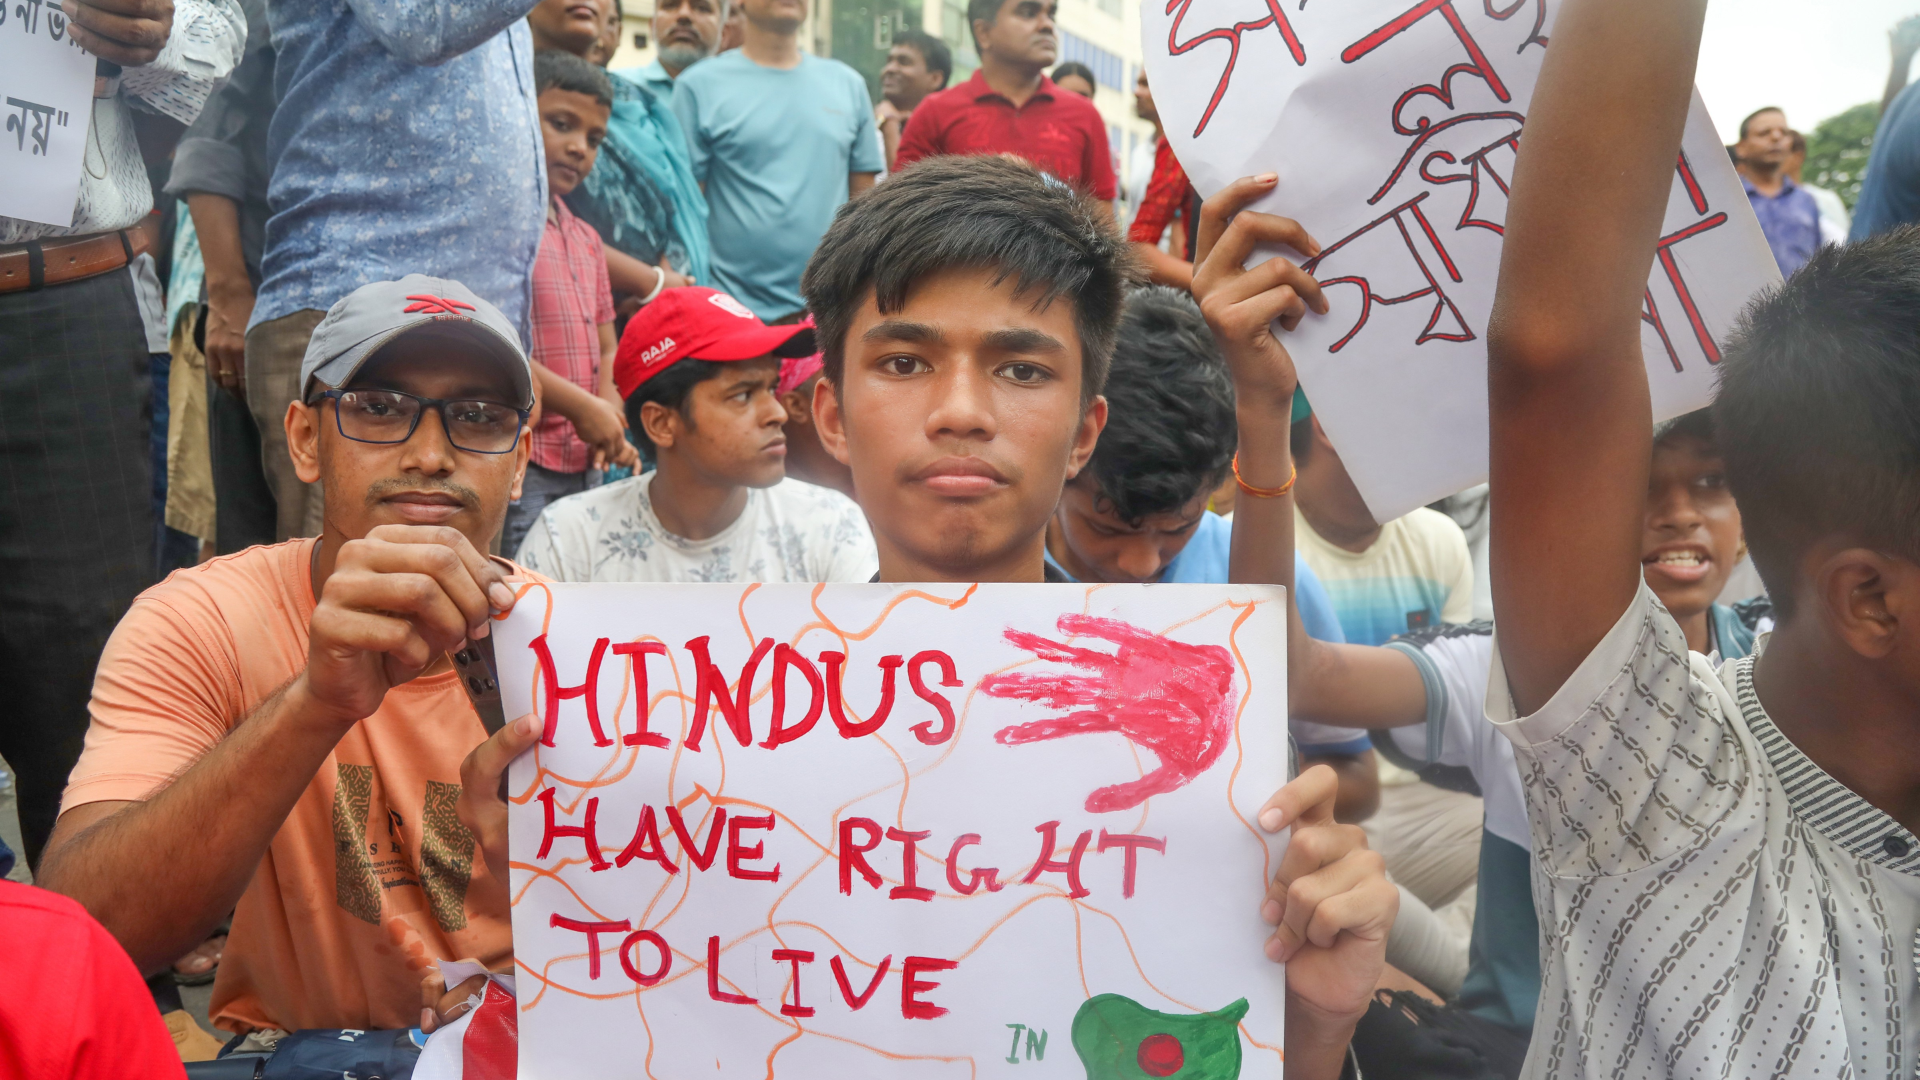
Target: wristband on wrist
(1259, 492)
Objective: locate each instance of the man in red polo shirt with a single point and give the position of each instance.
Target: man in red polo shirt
(1010, 106)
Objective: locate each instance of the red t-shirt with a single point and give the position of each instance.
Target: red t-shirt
(1060, 132)
(72, 1007)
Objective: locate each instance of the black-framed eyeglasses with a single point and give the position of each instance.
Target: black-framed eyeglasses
(387, 417)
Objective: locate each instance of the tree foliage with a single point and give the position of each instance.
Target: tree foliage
(1837, 151)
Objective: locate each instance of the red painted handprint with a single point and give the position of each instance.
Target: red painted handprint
(1166, 696)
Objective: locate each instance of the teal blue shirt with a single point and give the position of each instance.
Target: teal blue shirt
(773, 148)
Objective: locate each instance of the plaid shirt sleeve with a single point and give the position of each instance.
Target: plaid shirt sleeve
(1167, 192)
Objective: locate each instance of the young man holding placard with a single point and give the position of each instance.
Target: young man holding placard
(1728, 870)
(967, 312)
(279, 733)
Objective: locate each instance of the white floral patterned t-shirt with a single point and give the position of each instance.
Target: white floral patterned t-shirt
(792, 531)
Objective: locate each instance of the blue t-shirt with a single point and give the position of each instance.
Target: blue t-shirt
(1890, 194)
(1204, 562)
(773, 148)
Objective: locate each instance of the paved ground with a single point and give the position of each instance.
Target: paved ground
(195, 998)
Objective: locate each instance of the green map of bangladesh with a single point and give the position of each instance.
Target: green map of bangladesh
(1118, 1038)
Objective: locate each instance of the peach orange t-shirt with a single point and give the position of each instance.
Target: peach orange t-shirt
(366, 883)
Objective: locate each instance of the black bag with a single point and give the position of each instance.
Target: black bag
(1404, 1036)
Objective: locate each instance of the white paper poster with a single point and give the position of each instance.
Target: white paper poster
(46, 87)
(1393, 127)
(895, 831)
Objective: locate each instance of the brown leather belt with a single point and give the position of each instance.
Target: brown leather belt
(72, 258)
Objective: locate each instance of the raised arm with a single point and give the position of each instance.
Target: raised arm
(1340, 685)
(1570, 412)
(431, 32)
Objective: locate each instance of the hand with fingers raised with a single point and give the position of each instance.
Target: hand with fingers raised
(394, 604)
(1241, 302)
(1331, 906)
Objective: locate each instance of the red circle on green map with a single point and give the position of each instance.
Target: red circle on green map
(1161, 1055)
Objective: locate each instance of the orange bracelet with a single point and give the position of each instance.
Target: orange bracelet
(1263, 493)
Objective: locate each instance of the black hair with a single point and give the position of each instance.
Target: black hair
(1170, 431)
(554, 69)
(1818, 413)
(1750, 118)
(983, 212)
(1796, 142)
(671, 389)
(932, 50)
(1697, 424)
(1074, 67)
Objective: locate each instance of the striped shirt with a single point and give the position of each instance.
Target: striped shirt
(1712, 904)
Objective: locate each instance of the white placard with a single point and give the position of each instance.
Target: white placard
(46, 95)
(1393, 127)
(808, 893)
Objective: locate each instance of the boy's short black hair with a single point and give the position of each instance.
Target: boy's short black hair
(983, 212)
(670, 388)
(1170, 431)
(1818, 414)
(557, 70)
(1697, 424)
(932, 50)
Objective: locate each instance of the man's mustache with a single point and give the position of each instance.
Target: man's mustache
(381, 489)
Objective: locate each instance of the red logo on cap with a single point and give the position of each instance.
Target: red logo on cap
(435, 305)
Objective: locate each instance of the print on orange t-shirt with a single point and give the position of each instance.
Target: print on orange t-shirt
(368, 880)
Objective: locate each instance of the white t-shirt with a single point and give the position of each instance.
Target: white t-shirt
(1418, 574)
(1711, 902)
(792, 531)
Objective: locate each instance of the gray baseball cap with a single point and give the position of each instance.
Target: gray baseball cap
(372, 316)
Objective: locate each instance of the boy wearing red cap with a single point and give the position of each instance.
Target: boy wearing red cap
(700, 376)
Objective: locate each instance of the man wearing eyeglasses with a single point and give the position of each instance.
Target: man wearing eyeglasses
(280, 732)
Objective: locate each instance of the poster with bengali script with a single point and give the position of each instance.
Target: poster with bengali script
(880, 831)
(1393, 126)
(46, 88)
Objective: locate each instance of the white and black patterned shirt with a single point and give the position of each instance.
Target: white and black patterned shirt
(792, 531)
(1712, 904)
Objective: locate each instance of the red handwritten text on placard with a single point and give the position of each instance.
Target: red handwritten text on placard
(1275, 18)
(1443, 305)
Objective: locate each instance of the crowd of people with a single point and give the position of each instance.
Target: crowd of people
(373, 309)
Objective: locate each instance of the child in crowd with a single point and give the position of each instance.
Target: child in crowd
(699, 374)
(967, 311)
(1726, 869)
(1430, 688)
(573, 342)
(807, 459)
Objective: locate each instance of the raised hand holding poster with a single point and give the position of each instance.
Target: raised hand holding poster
(1393, 126)
(46, 88)
(895, 831)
